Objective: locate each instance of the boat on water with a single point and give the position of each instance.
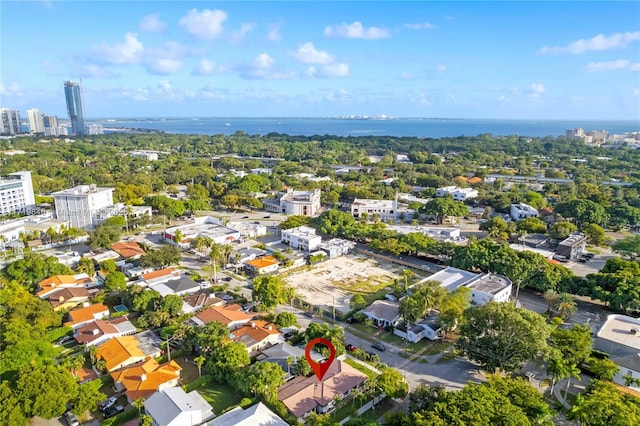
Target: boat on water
(227, 124)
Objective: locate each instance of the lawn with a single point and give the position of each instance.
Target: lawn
(361, 368)
(424, 347)
(221, 397)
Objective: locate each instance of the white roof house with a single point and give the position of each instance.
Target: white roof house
(619, 336)
(521, 211)
(386, 209)
(302, 237)
(484, 287)
(256, 415)
(458, 194)
(174, 407)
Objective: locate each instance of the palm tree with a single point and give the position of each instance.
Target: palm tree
(225, 251)
(566, 306)
(199, 361)
(214, 253)
(407, 274)
(177, 238)
(289, 362)
(74, 363)
(93, 351)
(558, 370)
(138, 403)
(572, 371)
(551, 296)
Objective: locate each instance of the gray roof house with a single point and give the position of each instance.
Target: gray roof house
(383, 312)
(181, 286)
(279, 354)
(174, 407)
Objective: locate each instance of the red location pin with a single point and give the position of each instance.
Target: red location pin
(320, 368)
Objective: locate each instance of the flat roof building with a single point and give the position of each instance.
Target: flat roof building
(484, 287)
(16, 193)
(386, 209)
(83, 205)
(302, 238)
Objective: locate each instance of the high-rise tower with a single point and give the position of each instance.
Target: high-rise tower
(75, 106)
(36, 123)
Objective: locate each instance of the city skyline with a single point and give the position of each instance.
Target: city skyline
(512, 60)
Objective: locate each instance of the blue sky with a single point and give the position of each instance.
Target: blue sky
(549, 60)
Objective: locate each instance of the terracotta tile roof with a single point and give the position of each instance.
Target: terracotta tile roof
(144, 379)
(60, 281)
(87, 313)
(223, 314)
(128, 249)
(70, 295)
(474, 180)
(263, 262)
(119, 350)
(257, 330)
(302, 394)
(201, 300)
(157, 274)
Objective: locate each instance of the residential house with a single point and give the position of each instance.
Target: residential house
(145, 378)
(195, 302)
(248, 230)
(521, 211)
(128, 250)
(383, 313)
(257, 335)
(232, 316)
(256, 415)
(385, 209)
(303, 395)
(428, 328)
(86, 314)
(242, 255)
(180, 287)
(134, 270)
(280, 352)
(337, 247)
(56, 282)
(619, 337)
(458, 194)
(158, 277)
(572, 246)
(301, 238)
(484, 287)
(99, 331)
(206, 227)
(300, 203)
(101, 255)
(262, 265)
(67, 298)
(121, 352)
(174, 407)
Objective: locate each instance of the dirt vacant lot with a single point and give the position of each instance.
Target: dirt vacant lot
(334, 282)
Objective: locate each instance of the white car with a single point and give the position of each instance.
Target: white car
(105, 405)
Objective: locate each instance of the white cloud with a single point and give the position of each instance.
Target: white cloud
(206, 24)
(419, 26)
(129, 52)
(263, 61)
(441, 68)
(335, 70)
(636, 92)
(599, 42)
(11, 89)
(537, 87)
(406, 75)
(163, 66)
(308, 54)
(274, 32)
(152, 23)
(620, 64)
(356, 30)
(311, 72)
(206, 67)
(237, 36)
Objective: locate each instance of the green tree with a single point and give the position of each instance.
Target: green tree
(60, 389)
(561, 230)
(86, 265)
(33, 268)
(302, 367)
(558, 370)
(496, 228)
(115, 281)
(603, 369)
(294, 222)
(264, 379)
(171, 304)
(583, 212)
(199, 360)
(88, 396)
(500, 336)
(532, 225)
(286, 319)
(103, 236)
(357, 302)
(574, 343)
(595, 234)
(270, 291)
(116, 221)
(392, 383)
(445, 207)
(108, 265)
(604, 404)
(565, 305)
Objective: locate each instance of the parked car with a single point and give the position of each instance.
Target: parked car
(379, 346)
(105, 405)
(113, 411)
(71, 419)
(582, 259)
(308, 314)
(226, 297)
(588, 255)
(350, 347)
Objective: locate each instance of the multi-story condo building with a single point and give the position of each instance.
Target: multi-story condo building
(16, 193)
(10, 121)
(36, 123)
(50, 120)
(301, 203)
(84, 205)
(51, 126)
(75, 106)
(385, 209)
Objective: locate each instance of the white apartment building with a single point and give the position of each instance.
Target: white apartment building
(522, 211)
(302, 237)
(147, 155)
(36, 123)
(10, 121)
(83, 205)
(300, 203)
(484, 287)
(458, 194)
(386, 209)
(16, 193)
